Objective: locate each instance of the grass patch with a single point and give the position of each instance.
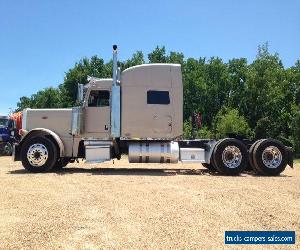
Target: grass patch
(296, 161)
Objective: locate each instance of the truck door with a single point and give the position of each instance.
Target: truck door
(162, 124)
(97, 113)
(160, 105)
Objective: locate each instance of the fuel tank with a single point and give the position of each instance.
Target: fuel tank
(153, 152)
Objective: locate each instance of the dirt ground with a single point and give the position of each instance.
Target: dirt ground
(141, 206)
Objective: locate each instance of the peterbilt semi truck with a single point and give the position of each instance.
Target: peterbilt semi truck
(139, 113)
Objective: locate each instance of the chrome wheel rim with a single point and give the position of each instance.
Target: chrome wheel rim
(37, 155)
(271, 157)
(232, 157)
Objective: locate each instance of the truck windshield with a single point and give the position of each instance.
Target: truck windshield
(3, 122)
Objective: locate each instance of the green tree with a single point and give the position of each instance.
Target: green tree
(237, 70)
(175, 57)
(295, 128)
(230, 121)
(79, 74)
(49, 97)
(137, 59)
(194, 87)
(217, 88)
(46, 98)
(158, 55)
(24, 102)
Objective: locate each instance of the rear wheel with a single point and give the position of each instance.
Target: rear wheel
(230, 156)
(251, 150)
(269, 157)
(212, 165)
(38, 154)
(212, 158)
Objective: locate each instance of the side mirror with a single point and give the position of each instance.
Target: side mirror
(11, 124)
(80, 93)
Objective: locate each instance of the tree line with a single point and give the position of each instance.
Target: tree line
(258, 100)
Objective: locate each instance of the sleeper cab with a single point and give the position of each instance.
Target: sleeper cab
(151, 102)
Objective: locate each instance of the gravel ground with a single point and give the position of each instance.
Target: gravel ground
(141, 206)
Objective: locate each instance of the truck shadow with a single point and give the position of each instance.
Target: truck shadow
(136, 171)
(124, 171)
(152, 172)
(140, 172)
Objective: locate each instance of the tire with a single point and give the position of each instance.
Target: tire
(230, 156)
(38, 154)
(61, 163)
(251, 166)
(212, 159)
(209, 167)
(269, 157)
(7, 149)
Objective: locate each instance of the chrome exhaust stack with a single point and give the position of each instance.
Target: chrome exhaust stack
(115, 64)
(115, 97)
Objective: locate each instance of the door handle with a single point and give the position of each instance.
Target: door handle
(106, 127)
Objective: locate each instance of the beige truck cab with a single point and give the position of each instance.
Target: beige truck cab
(96, 110)
(139, 113)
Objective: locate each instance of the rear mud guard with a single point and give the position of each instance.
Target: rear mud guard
(290, 156)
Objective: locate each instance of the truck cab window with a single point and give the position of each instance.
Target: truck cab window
(158, 97)
(3, 122)
(99, 98)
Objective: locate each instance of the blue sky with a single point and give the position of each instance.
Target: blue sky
(41, 40)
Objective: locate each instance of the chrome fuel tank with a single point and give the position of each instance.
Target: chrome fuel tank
(153, 152)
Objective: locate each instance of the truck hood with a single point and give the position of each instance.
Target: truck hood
(57, 120)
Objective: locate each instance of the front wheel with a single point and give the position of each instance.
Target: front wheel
(38, 154)
(230, 156)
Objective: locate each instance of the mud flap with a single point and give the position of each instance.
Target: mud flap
(290, 156)
(16, 152)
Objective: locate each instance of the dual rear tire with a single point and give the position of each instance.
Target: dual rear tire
(229, 157)
(266, 157)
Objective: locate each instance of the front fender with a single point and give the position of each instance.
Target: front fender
(44, 131)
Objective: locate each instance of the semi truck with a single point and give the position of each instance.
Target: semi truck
(8, 134)
(139, 113)
(5, 146)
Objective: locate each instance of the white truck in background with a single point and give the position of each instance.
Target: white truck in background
(139, 112)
